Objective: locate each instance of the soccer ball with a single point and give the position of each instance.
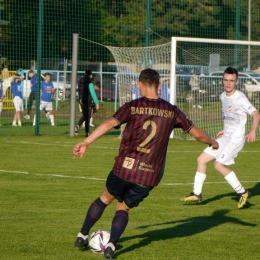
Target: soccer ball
(98, 241)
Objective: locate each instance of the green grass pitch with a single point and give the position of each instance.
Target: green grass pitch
(45, 194)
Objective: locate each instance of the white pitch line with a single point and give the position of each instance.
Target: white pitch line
(54, 175)
(14, 172)
(100, 179)
(112, 148)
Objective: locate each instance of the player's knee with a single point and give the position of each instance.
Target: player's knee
(122, 206)
(218, 166)
(201, 160)
(106, 197)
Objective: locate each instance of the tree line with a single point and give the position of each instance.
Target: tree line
(115, 23)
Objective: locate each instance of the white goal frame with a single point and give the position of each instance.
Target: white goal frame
(175, 40)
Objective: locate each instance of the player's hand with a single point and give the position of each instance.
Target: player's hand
(215, 145)
(251, 136)
(79, 148)
(220, 134)
(97, 107)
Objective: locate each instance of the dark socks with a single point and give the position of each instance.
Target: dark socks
(94, 213)
(118, 225)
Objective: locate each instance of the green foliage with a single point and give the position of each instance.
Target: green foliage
(115, 23)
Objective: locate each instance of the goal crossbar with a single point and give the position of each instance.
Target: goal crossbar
(174, 41)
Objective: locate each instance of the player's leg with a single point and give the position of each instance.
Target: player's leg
(208, 155)
(29, 105)
(15, 119)
(19, 118)
(87, 118)
(226, 157)
(133, 195)
(20, 106)
(42, 106)
(1, 107)
(94, 213)
(85, 110)
(17, 108)
(91, 117)
(200, 177)
(48, 107)
(81, 120)
(119, 224)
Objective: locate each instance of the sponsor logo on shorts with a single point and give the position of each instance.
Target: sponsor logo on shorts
(128, 163)
(230, 108)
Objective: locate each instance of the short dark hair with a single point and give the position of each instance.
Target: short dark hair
(88, 72)
(47, 74)
(150, 77)
(30, 71)
(98, 84)
(231, 70)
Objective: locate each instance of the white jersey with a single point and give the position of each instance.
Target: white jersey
(234, 110)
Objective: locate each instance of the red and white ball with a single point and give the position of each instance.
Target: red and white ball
(98, 240)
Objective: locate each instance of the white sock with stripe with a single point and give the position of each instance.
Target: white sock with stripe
(198, 182)
(233, 181)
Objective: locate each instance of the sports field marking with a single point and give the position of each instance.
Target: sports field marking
(111, 148)
(53, 175)
(100, 179)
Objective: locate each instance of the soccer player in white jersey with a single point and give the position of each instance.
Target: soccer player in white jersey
(235, 107)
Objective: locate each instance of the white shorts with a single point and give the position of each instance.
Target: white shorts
(1, 106)
(226, 152)
(46, 105)
(18, 104)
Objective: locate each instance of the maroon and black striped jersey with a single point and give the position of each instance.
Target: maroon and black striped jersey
(142, 152)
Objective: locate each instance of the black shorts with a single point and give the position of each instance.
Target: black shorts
(131, 193)
(93, 106)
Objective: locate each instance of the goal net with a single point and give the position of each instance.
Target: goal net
(191, 72)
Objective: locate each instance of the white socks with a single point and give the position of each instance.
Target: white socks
(231, 178)
(81, 235)
(198, 182)
(52, 120)
(50, 116)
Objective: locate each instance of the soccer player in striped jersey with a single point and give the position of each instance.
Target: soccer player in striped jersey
(140, 163)
(235, 108)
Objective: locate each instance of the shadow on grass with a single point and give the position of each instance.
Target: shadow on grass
(181, 228)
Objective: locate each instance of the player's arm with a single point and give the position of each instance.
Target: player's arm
(80, 148)
(251, 136)
(52, 88)
(93, 94)
(14, 77)
(203, 137)
(220, 134)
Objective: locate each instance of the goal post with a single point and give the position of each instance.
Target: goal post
(191, 71)
(205, 60)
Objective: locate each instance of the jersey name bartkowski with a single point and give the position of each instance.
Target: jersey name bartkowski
(151, 111)
(142, 152)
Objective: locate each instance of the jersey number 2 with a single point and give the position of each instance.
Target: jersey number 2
(141, 148)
